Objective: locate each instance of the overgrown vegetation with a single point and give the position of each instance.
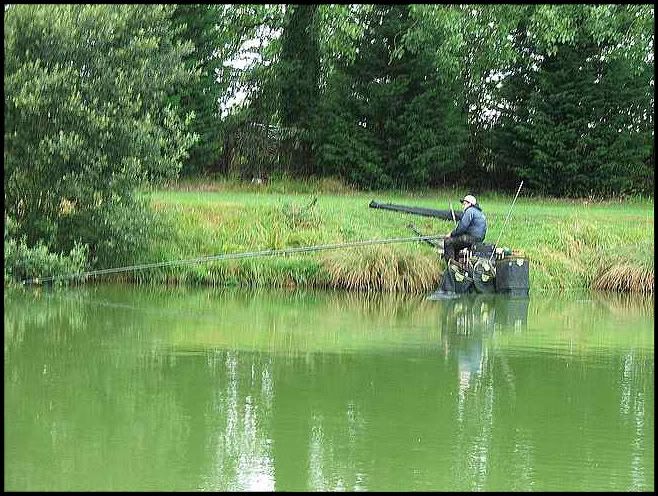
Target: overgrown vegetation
(623, 273)
(23, 262)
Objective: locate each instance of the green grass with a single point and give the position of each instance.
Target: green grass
(571, 244)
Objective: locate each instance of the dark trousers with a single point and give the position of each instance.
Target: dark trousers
(451, 246)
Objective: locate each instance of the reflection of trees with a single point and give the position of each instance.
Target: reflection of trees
(54, 314)
(636, 410)
(114, 390)
(93, 402)
(358, 421)
(241, 413)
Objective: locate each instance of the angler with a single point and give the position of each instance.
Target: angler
(472, 228)
(472, 266)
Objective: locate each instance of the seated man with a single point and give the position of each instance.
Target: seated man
(471, 228)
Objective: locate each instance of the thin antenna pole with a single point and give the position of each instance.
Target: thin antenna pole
(506, 219)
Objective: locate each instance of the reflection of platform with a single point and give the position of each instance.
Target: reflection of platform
(440, 294)
(513, 313)
(471, 314)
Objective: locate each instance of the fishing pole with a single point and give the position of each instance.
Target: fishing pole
(230, 256)
(431, 243)
(505, 223)
(453, 214)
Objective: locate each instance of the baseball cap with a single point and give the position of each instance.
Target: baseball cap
(470, 199)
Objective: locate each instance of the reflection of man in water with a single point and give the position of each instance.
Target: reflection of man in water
(469, 360)
(463, 324)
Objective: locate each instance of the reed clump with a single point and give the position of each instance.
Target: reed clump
(625, 277)
(631, 270)
(382, 268)
(588, 250)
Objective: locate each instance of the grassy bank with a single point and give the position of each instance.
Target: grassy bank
(570, 244)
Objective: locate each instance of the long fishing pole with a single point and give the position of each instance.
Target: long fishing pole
(505, 223)
(230, 256)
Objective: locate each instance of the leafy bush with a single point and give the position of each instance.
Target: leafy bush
(122, 232)
(23, 262)
(86, 120)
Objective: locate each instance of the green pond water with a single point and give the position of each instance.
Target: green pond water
(113, 387)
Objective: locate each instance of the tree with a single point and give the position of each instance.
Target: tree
(390, 118)
(299, 83)
(346, 149)
(434, 136)
(197, 24)
(370, 95)
(249, 48)
(584, 137)
(577, 112)
(468, 46)
(86, 121)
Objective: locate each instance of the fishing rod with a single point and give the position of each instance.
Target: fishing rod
(505, 223)
(231, 256)
(431, 243)
(453, 214)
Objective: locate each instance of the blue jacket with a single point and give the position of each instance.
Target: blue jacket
(473, 222)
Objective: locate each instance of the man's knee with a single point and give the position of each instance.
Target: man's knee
(466, 241)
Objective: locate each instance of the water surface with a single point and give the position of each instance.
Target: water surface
(120, 388)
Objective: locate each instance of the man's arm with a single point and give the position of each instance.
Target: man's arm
(464, 222)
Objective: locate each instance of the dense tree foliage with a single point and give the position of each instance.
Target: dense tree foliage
(196, 23)
(586, 136)
(86, 121)
(389, 119)
(577, 120)
(299, 79)
(477, 95)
